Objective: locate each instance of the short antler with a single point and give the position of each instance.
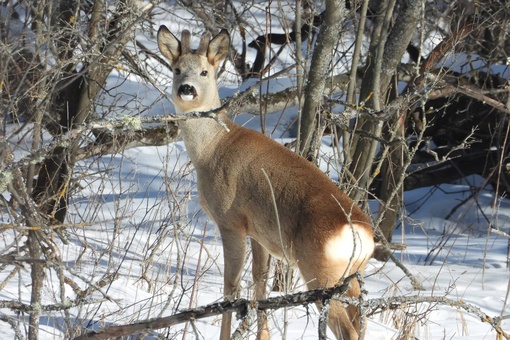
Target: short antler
(204, 43)
(185, 42)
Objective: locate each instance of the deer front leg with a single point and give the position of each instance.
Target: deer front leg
(234, 252)
(260, 271)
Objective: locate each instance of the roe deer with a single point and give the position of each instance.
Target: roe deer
(319, 229)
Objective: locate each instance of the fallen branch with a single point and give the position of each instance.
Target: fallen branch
(241, 306)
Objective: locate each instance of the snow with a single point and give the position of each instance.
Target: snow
(137, 218)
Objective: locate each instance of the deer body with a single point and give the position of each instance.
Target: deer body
(310, 222)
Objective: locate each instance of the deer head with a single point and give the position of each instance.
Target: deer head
(194, 83)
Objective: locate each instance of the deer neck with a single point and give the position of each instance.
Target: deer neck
(201, 136)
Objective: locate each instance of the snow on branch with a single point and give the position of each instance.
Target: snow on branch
(117, 126)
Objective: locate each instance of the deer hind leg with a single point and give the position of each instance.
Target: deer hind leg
(234, 252)
(260, 271)
(344, 322)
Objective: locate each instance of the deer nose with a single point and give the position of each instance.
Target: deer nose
(187, 91)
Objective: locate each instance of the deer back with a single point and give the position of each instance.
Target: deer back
(249, 169)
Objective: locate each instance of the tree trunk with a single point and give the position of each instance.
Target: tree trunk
(37, 279)
(74, 102)
(387, 47)
(393, 174)
(330, 29)
(363, 149)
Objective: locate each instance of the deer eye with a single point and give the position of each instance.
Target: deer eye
(177, 71)
(203, 73)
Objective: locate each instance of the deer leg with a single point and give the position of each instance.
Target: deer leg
(234, 252)
(260, 271)
(344, 322)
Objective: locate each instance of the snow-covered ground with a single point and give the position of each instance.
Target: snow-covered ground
(137, 219)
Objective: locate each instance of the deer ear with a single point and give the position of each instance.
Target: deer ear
(218, 48)
(168, 44)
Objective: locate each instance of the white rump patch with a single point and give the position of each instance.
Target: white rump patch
(352, 243)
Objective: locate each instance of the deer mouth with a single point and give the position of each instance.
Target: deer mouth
(187, 92)
(187, 97)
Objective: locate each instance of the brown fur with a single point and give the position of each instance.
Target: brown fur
(318, 224)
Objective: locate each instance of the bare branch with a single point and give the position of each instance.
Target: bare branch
(396, 302)
(241, 306)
